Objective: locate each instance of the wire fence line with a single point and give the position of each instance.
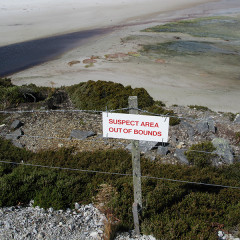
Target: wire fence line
(107, 141)
(100, 111)
(120, 174)
(104, 141)
(63, 110)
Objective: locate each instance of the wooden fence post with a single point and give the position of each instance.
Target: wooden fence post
(137, 205)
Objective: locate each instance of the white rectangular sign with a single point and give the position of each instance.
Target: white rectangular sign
(136, 127)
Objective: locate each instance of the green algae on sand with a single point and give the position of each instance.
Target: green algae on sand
(223, 27)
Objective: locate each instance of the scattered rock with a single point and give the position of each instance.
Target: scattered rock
(189, 127)
(174, 139)
(180, 145)
(144, 146)
(17, 144)
(162, 151)
(179, 154)
(237, 119)
(16, 124)
(211, 125)
(15, 135)
(77, 206)
(206, 125)
(33, 223)
(223, 149)
(202, 127)
(79, 134)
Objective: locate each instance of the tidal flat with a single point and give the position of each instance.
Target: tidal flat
(209, 44)
(192, 58)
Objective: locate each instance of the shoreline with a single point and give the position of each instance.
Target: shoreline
(165, 82)
(29, 20)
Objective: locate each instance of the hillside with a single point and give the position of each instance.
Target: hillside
(171, 209)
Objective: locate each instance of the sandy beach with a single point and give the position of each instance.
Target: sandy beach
(169, 81)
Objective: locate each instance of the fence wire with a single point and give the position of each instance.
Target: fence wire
(107, 140)
(101, 111)
(119, 174)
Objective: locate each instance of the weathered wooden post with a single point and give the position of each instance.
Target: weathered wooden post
(137, 205)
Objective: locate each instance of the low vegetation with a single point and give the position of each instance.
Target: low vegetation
(12, 95)
(101, 94)
(199, 154)
(172, 210)
(199, 108)
(216, 27)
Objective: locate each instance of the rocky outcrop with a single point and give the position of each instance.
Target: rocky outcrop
(206, 125)
(79, 134)
(81, 223)
(223, 150)
(237, 119)
(144, 146)
(179, 154)
(15, 135)
(16, 124)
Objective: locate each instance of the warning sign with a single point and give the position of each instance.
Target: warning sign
(136, 127)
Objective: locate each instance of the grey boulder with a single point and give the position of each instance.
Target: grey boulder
(15, 135)
(80, 134)
(237, 119)
(144, 146)
(179, 154)
(16, 124)
(162, 151)
(223, 149)
(206, 125)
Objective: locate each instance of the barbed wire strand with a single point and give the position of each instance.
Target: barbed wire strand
(100, 111)
(120, 174)
(106, 140)
(62, 110)
(113, 110)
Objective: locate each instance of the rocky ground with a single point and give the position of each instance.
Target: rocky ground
(53, 130)
(83, 130)
(81, 223)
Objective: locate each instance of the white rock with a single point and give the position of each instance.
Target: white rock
(94, 235)
(77, 206)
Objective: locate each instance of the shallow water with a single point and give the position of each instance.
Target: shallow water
(20, 56)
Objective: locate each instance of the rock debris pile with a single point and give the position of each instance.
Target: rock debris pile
(85, 222)
(81, 223)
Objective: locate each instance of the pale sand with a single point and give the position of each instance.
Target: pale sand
(169, 82)
(22, 20)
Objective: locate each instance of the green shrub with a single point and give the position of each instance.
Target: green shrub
(10, 153)
(156, 109)
(237, 137)
(171, 210)
(231, 116)
(11, 95)
(201, 159)
(6, 82)
(98, 95)
(199, 108)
